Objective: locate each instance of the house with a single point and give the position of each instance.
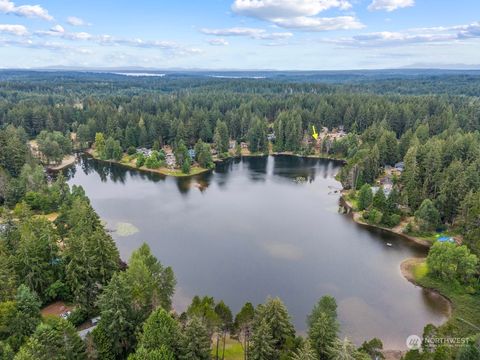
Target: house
(170, 160)
(271, 137)
(144, 151)
(244, 145)
(191, 153)
(232, 144)
(400, 166)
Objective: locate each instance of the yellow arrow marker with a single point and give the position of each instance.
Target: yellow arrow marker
(315, 134)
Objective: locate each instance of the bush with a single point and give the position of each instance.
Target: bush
(391, 220)
(373, 216)
(131, 150)
(78, 316)
(140, 160)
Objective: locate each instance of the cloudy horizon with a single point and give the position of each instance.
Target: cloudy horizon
(240, 34)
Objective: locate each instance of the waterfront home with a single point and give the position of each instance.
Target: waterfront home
(232, 144)
(271, 137)
(244, 145)
(170, 160)
(144, 151)
(191, 153)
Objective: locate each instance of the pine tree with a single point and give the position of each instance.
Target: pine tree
(117, 317)
(365, 197)
(195, 342)
(343, 350)
(161, 333)
(221, 137)
(243, 326)
(54, 337)
(226, 322)
(379, 200)
(305, 352)
(322, 334)
(263, 345)
(277, 318)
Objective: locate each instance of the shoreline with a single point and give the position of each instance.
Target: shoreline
(407, 267)
(67, 161)
(198, 170)
(160, 171)
(396, 231)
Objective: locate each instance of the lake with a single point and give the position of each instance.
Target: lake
(250, 229)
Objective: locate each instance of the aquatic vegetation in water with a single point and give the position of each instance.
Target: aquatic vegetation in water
(126, 229)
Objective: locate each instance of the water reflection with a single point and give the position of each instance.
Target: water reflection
(247, 230)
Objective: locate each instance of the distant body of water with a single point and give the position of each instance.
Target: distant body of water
(248, 230)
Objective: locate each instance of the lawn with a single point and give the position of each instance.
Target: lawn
(465, 319)
(233, 350)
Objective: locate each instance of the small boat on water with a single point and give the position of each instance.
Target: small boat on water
(388, 244)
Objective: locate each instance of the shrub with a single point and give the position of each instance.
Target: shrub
(131, 150)
(140, 160)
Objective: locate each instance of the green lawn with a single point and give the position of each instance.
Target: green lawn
(233, 350)
(465, 319)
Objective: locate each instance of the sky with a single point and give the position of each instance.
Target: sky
(240, 34)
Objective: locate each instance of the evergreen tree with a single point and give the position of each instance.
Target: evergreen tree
(379, 200)
(117, 317)
(322, 334)
(427, 216)
(226, 322)
(243, 326)
(221, 137)
(161, 333)
(343, 350)
(263, 344)
(277, 318)
(305, 352)
(54, 337)
(27, 316)
(365, 197)
(195, 342)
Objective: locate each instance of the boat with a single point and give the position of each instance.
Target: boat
(388, 244)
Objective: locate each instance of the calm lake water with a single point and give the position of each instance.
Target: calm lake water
(248, 231)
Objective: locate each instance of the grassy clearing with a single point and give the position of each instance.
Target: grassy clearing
(233, 350)
(465, 319)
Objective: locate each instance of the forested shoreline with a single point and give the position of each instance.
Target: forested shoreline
(421, 143)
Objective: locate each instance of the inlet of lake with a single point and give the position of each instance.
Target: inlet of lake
(252, 229)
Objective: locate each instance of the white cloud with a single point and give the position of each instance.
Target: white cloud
(218, 42)
(412, 36)
(76, 21)
(58, 29)
(390, 5)
(30, 11)
(253, 33)
(298, 14)
(18, 30)
(273, 9)
(321, 24)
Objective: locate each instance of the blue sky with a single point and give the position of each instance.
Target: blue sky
(240, 34)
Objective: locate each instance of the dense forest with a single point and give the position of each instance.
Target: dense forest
(416, 134)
